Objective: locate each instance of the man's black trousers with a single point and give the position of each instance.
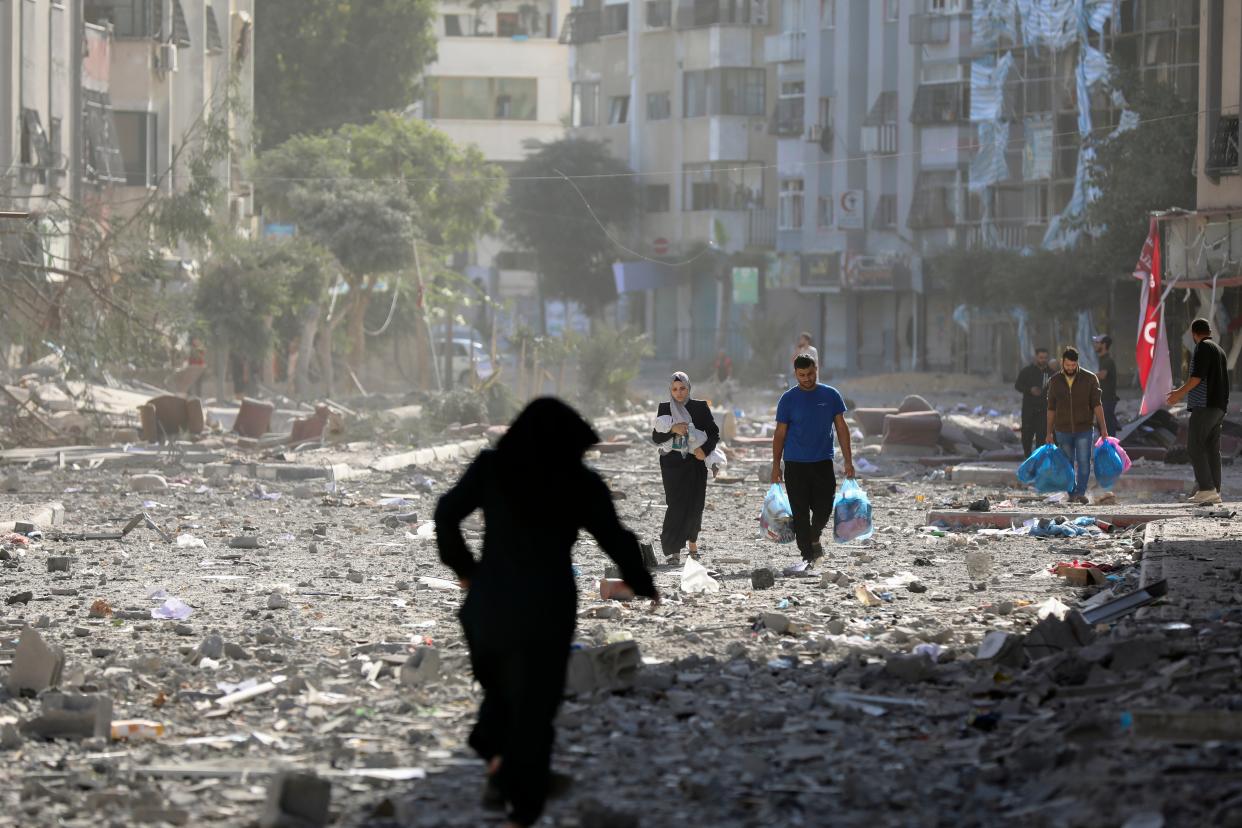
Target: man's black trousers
(811, 488)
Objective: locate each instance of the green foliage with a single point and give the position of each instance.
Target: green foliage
(545, 215)
(239, 294)
(608, 361)
(461, 405)
(1144, 169)
(1045, 282)
(323, 63)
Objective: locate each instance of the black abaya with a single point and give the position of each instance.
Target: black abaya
(520, 611)
(685, 479)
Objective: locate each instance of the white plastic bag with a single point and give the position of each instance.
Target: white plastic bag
(694, 578)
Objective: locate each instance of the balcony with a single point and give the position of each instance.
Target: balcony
(929, 29)
(1005, 235)
(786, 47)
(880, 139)
(691, 14)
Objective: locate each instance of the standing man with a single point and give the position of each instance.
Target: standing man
(805, 418)
(805, 347)
(1207, 397)
(1073, 404)
(1032, 384)
(1108, 381)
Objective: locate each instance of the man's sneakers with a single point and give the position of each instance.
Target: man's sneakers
(1206, 497)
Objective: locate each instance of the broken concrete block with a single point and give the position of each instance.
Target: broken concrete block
(1002, 648)
(277, 601)
(1060, 630)
(611, 667)
(148, 483)
(73, 716)
(244, 542)
(36, 666)
(59, 563)
(421, 667)
(834, 577)
(297, 800)
(775, 622)
(762, 578)
(909, 667)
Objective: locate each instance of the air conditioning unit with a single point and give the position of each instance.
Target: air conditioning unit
(166, 58)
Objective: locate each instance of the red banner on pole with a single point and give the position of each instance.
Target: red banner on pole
(1148, 269)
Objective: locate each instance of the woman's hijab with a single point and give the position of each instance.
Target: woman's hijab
(544, 443)
(676, 409)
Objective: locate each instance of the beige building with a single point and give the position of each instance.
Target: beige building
(500, 80)
(679, 89)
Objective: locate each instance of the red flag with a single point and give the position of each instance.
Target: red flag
(1148, 269)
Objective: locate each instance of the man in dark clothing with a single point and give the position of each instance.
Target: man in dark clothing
(1207, 398)
(521, 605)
(1032, 384)
(1108, 381)
(805, 418)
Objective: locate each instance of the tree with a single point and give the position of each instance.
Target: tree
(1150, 167)
(369, 193)
(546, 215)
(323, 63)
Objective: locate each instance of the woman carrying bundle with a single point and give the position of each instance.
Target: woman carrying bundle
(687, 436)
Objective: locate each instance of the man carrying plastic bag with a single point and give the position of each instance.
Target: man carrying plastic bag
(806, 417)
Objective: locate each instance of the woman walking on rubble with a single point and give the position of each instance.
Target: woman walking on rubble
(521, 605)
(686, 434)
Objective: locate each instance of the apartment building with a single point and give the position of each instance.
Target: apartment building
(500, 80)
(680, 91)
(98, 99)
(41, 46)
(1203, 249)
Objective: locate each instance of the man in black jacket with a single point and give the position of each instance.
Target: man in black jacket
(1032, 384)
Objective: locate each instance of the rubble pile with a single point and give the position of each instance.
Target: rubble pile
(215, 635)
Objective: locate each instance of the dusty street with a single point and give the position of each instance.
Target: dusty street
(796, 704)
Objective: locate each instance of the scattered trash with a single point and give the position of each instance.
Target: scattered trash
(695, 578)
(172, 610)
(866, 597)
(136, 729)
(190, 542)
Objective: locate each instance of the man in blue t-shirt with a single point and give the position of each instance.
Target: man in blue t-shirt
(805, 418)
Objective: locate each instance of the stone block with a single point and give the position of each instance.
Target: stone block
(612, 667)
(421, 667)
(762, 578)
(297, 800)
(36, 666)
(73, 716)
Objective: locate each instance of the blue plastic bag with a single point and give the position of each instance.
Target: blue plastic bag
(851, 514)
(1048, 470)
(1110, 462)
(776, 520)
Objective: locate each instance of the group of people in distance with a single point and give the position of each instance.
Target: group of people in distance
(536, 493)
(1062, 402)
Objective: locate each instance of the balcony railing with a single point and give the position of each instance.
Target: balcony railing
(786, 47)
(761, 231)
(926, 29)
(1007, 235)
(880, 140)
(694, 13)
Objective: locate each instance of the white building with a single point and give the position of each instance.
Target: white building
(501, 79)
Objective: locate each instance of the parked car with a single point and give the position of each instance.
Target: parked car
(470, 361)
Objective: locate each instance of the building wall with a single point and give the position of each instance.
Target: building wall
(1219, 191)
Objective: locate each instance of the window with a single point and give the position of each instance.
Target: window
(1223, 151)
(618, 109)
(941, 103)
(452, 26)
(946, 6)
(879, 131)
(584, 108)
(724, 185)
(886, 211)
(892, 11)
(787, 118)
(724, 92)
(181, 28)
(659, 14)
(789, 208)
(791, 15)
(54, 131)
(827, 14)
(137, 137)
(507, 24)
(935, 200)
(824, 212)
(656, 198)
(129, 18)
(100, 152)
(36, 150)
(215, 43)
(481, 99)
(659, 107)
(616, 18)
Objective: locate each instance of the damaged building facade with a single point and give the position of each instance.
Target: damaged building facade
(97, 99)
(892, 131)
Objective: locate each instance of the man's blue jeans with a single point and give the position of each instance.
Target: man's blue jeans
(1077, 447)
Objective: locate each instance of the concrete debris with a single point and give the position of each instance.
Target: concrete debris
(72, 716)
(611, 667)
(36, 665)
(421, 667)
(148, 483)
(297, 800)
(762, 578)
